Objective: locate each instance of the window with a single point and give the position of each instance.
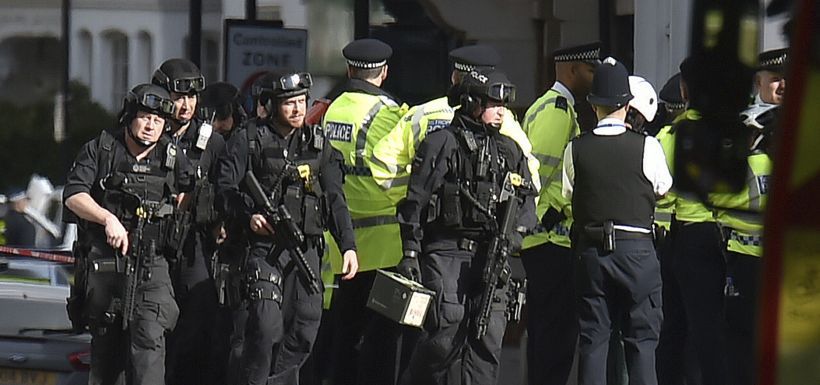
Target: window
(145, 56)
(84, 57)
(116, 44)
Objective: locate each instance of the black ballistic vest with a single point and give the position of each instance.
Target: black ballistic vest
(609, 181)
(124, 186)
(468, 198)
(289, 172)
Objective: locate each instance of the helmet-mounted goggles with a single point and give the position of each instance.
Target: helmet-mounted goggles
(187, 85)
(503, 92)
(285, 85)
(181, 85)
(154, 103)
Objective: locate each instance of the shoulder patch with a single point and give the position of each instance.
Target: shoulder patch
(341, 132)
(561, 102)
(434, 125)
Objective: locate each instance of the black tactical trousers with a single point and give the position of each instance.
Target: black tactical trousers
(281, 325)
(625, 285)
(699, 270)
(450, 354)
(552, 320)
(135, 356)
(198, 346)
(741, 313)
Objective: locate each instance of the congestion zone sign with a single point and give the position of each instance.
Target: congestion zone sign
(253, 47)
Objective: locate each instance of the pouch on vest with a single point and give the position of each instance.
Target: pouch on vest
(293, 202)
(204, 209)
(451, 205)
(75, 303)
(432, 209)
(484, 194)
(313, 224)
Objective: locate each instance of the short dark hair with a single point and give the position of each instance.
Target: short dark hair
(365, 73)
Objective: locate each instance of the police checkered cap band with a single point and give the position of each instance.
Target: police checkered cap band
(463, 67)
(364, 64)
(674, 105)
(775, 61)
(591, 55)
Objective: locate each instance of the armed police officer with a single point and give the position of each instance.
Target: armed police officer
(192, 346)
(468, 203)
(393, 154)
(279, 177)
(123, 187)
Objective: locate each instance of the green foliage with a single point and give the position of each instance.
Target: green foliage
(27, 136)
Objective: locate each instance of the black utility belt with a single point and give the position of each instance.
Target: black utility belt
(114, 265)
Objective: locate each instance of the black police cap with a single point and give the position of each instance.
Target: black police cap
(367, 53)
(590, 52)
(218, 94)
(471, 57)
(610, 86)
(773, 60)
(670, 93)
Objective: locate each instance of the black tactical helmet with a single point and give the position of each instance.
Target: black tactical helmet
(180, 76)
(219, 100)
(278, 85)
(480, 86)
(146, 97)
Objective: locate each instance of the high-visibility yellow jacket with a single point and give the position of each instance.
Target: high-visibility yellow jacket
(354, 123)
(689, 209)
(550, 123)
(746, 226)
(394, 153)
(665, 206)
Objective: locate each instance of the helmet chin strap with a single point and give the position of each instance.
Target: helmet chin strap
(142, 143)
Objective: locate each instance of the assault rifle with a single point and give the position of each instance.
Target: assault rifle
(135, 266)
(287, 234)
(497, 272)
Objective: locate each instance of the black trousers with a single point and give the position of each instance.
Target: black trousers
(135, 356)
(676, 360)
(277, 334)
(198, 347)
(450, 354)
(552, 318)
(698, 269)
(368, 349)
(624, 285)
(741, 316)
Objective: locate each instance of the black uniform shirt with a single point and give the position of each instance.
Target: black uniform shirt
(207, 159)
(239, 206)
(432, 163)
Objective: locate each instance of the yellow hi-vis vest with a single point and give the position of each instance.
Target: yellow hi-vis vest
(690, 209)
(665, 206)
(746, 228)
(393, 155)
(550, 123)
(354, 123)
